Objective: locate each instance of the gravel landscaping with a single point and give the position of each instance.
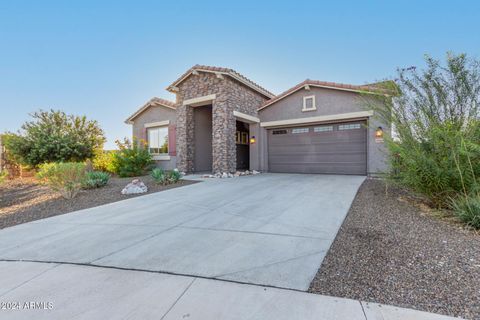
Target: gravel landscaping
(24, 200)
(393, 249)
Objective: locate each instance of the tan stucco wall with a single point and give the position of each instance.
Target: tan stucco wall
(154, 114)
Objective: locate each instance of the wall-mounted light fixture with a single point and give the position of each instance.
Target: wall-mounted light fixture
(379, 133)
(252, 140)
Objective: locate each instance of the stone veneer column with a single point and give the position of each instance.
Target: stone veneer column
(223, 137)
(185, 140)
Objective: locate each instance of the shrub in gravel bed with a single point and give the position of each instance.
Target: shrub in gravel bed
(102, 161)
(175, 176)
(165, 178)
(437, 129)
(132, 159)
(64, 177)
(96, 179)
(3, 176)
(467, 209)
(158, 174)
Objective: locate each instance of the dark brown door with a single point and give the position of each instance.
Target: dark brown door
(203, 138)
(338, 148)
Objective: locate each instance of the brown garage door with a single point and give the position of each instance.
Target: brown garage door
(339, 148)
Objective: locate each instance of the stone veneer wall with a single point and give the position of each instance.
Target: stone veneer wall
(230, 95)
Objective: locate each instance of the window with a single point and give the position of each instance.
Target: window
(349, 126)
(158, 140)
(309, 103)
(241, 137)
(279, 132)
(323, 129)
(300, 130)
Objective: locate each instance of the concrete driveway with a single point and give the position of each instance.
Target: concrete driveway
(269, 229)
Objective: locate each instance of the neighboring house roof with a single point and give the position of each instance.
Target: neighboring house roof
(223, 71)
(376, 88)
(154, 102)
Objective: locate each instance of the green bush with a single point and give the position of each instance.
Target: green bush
(165, 178)
(103, 161)
(96, 179)
(468, 210)
(54, 136)
(3, 176)
(159, 176)
(174, 176)
(64, 177)
(132, 158)
(435, 115)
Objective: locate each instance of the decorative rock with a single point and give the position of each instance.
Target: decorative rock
(224, 175)
(134, 187)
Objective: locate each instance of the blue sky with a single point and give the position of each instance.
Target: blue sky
(106, 59)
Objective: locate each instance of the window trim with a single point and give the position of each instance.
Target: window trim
(159, 156)
(317, 129)
(300, 130)
(157, 124)
(314, 106)
(349, 126)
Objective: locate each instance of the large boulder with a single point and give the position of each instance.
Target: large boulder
(134, 187)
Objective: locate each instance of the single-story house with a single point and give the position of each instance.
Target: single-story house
(222, 121)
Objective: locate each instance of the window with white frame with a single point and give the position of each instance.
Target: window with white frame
(309, 103)
(300, 130)
(350, 126)
(158, 140)
(323, 129)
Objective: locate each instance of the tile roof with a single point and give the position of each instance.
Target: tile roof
(155, 101)
(372, 88)
(160, 101)
(234, 74)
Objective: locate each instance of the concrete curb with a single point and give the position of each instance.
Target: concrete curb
(64, 291)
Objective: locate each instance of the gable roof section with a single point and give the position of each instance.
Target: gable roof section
(374, 88)
(223, 71)
(154, 102)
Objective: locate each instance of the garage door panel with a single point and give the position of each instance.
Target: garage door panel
(324, 168)
(319, 148)
(337, 151)
(325, 157)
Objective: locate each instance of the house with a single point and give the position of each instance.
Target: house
(222, 122)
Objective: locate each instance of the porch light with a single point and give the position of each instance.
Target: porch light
(379, 133)
(252, 140)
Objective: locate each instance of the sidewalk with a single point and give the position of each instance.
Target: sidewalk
(66, 291)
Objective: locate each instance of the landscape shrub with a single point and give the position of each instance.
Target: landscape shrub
(64, 177)
(165, 178)
(96, 179)
(159, 175)
(467, 210)
(175, 176)
(3, 176)
(132, 158)
(435, 146)
(103, 161)
(54, 136)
